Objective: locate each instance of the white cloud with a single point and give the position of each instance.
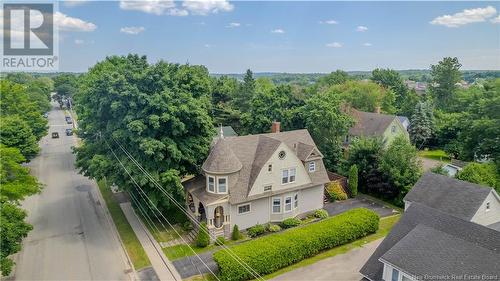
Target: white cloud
(134, 30)
(177, 12)
(328, 22)
(74, 3)
(208, 45)
(361, 28)
(67, 23)
(334, 45)
(367, 44)
(465, 17)
(234, 24)
(205, 7)
(278, 31)
(79, 41)
(496, 19)
(155, 7)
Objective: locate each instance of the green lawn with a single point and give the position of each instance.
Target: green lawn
(181, 251)
(163, 232)
(385, 227)
(439, 155)
(132, 244)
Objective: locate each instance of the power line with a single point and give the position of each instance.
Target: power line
(152, 204)
(254, 273)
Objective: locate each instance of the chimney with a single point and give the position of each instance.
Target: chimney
(377, 109)
(275, 127)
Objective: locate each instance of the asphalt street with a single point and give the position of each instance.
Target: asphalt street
(72, 238)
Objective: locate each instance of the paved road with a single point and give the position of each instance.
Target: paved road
(344, 267)
(72, 238)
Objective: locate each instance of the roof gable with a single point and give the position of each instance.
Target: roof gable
(455, 197)
(370, 124)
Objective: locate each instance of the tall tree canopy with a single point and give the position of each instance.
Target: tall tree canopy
(15, 132)
(422, 124)
(444, 77)
(392, 80)
(159, 112)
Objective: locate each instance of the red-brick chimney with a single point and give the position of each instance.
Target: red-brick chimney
(275, 127)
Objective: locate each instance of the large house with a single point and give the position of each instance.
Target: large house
(450, 230)
(375, 124)
(256, 179)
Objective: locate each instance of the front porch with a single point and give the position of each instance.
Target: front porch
(212, 209)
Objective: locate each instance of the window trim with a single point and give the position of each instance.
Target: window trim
(225, 179)
(488, 206)
(313, 164)
(268, 185)
(285, 204)
(214, 184)
(295, 201)
(269, 167)
(272, 205)
(289, 175)
(242, 205)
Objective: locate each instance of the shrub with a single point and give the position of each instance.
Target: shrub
(236, 235)
(187, 226)
(321, 214)
(220, 241)
(272, 252)
(353, 180)
(203, 239)
(256, 230)
(273, 228)
(335, 191)
(290, 222)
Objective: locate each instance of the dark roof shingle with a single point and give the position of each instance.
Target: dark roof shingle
(369, 124)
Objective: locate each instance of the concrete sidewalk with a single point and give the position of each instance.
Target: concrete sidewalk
(162, 266)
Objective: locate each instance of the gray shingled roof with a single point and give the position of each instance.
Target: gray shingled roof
(253, 151)
(221, 159)
(452, 196)
(369, 124)
(418, 214)
(428, 251)
(196, 186)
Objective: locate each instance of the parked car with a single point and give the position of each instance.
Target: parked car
(68, 120)
(55, 135)
(69, 132)
(46, 115)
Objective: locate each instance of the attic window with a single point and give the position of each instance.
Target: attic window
(487, 206)
(282, 155)
(393, 129)
(270, 167)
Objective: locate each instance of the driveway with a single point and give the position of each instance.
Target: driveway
(361, 201)
(344, 267)
(428, 164)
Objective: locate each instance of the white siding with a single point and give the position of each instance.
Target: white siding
(487, 217)
(311, 199)
(259, 213)
(274, 177)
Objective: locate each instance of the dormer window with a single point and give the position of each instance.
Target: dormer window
(222, 185)
(312, 166)
(211, 184)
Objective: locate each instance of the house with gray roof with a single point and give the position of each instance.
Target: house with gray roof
(435, 239)
(374, 124)
(256, 179)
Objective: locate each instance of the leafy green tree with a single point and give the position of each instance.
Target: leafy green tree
(66, 86)
(15, 184)
(422, 124)
(158, 112)
(15, 132)
(444, 77)
(328, 125)
(483, 174)
(14, 100)
(203, 239)
(334, 78)
(392, 80)
(401, 165)
(236, 235)
(224, 112)
(353, 180)
(246, 92)
(365, 96)
(365, 154)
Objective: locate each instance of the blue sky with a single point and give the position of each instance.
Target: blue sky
(229, 37)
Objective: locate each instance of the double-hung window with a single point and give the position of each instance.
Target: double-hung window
(211, 184)
(276, 205)
(288, 175)
(312, 166)
(222, 185)
(288, 203)
(295, 201)
(395, 275)
(243, 209)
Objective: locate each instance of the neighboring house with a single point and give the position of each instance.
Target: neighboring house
(451, 169)
(370, 124)
(256, 179)
(449, 228)
(468, 201)
(404, 121)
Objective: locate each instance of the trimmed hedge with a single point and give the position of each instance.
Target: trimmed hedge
(290, 222)
(270, 253)
(335, 191)
(256, 230)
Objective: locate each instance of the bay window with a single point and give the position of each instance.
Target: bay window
(221, 185)
(211, 184)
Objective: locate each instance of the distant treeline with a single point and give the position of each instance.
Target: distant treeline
(418, 75)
